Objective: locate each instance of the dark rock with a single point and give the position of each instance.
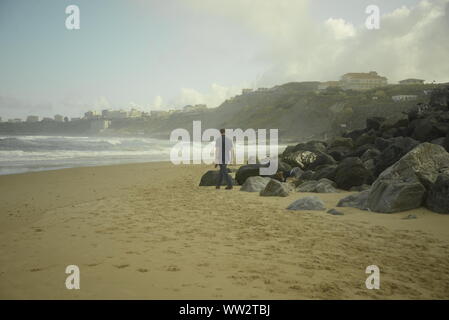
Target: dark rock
(307, 203)
(424, 130)
(358, 200)
(374, 123)
(307, 186)
(210, 179)
(355, 134)
(351, 172)
(359, 151)
(327, 171)
(284, 167)
(381, 143)
(365, 139)
(403, 185)
(255, 184)
(397, 148)
(322, 186)
(370, 154)
(439, 141)
(438, 195)
(246, 171)
(308, 175)
(388, 196)
(335, 212)
(342, 142)
(325, 186)
(338, 155)
(275, 188)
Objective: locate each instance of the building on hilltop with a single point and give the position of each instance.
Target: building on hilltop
(32, 119)
(411, 81)
(247, 91)
(363, 81)
(59, 118)
(92, 115)
(134, 113)
(404, 97)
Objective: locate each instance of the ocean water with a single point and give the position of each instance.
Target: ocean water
(20, 154)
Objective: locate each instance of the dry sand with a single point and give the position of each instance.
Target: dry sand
(147, 231)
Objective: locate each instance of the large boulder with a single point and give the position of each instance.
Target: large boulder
(307, 203)
(325, 172)
(438, 195)
(255, 184)
(370, 154)
(342, 142)
(351, 172)
(307, 186)
(374, 123)
(308, 175)
(403, 185)
(425, 130)
(246, 171)
(340, 148)
(321, 186)
(395, 150)
(210, 179)
(275, 188)
(358, 200)
(364, 139)
(355, 134)
(388, 196)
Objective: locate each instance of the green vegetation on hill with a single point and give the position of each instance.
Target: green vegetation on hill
(299, 111)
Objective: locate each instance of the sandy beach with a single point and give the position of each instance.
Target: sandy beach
(148, 231)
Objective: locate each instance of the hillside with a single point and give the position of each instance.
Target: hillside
(298, 111)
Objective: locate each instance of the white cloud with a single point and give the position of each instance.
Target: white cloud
(340, 28)
(216, 95)
(411, 42)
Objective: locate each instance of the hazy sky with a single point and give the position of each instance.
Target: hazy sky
(158, 54)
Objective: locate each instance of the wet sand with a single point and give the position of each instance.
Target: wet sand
(147, 231)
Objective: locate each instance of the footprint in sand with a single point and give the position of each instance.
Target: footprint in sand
(142, 270)
(93, 264)
(36, 270)
(121, 266)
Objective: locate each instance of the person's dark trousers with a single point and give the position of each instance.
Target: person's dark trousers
(224, 174)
